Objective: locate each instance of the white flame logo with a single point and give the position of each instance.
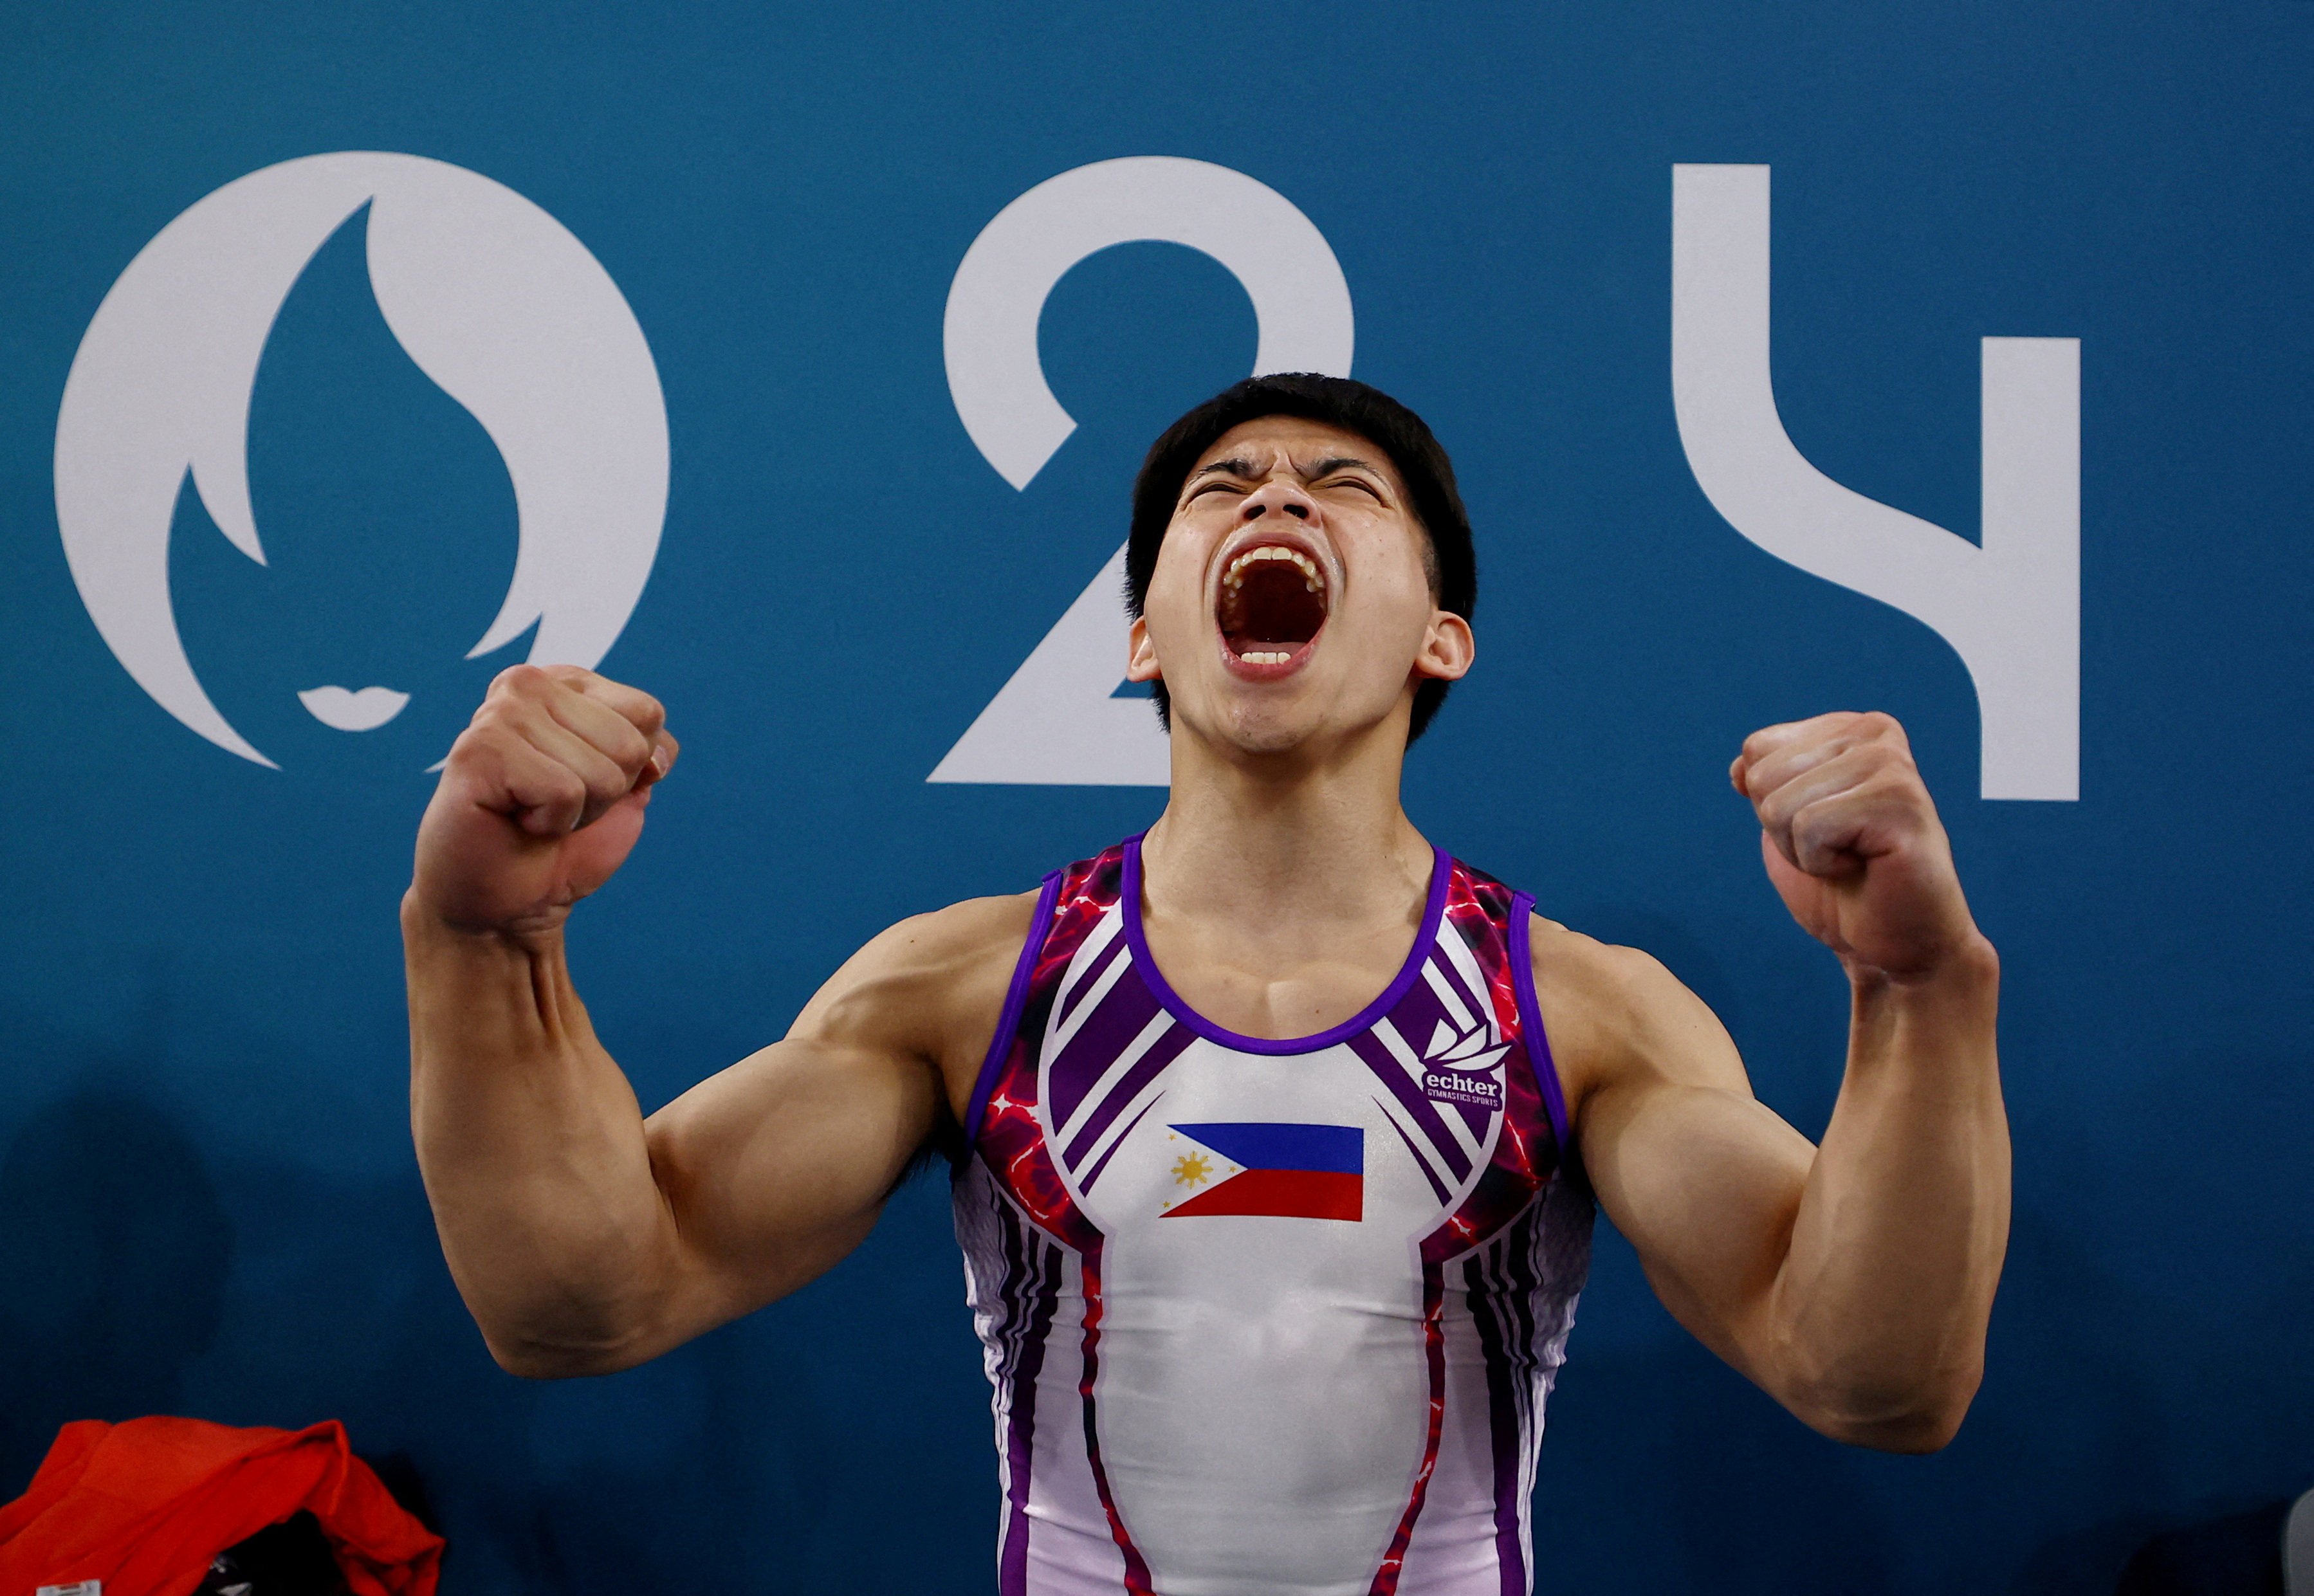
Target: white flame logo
(490, 297)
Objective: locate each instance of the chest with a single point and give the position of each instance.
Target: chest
(1293, 983)
(1360, 1141)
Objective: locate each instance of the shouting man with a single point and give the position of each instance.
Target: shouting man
(1276, 1131)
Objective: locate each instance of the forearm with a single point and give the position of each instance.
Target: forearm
(533, 1150)
(1878, 1313)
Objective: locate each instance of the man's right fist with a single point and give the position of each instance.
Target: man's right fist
(541, 798)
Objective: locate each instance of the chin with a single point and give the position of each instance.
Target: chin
(1268, 730)
(1263, 738)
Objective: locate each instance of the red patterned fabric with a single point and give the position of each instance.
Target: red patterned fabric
(1008, 1136)
(145, 1505)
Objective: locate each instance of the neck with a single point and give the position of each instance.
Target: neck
(1293, 839)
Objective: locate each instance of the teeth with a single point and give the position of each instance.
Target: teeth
(1234, 577)
(1264, 657)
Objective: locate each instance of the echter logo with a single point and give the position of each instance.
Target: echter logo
(492, 299)
(1463, 1069)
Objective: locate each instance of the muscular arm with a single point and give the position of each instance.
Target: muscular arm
(583, 1237)
(1852, 1281)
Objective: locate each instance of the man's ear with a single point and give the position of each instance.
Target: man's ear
(1141, 654)
(1447, 648)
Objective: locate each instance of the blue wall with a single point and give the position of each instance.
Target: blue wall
(207, 1199)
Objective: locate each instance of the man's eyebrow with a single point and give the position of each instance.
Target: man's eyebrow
(1328, 467)
(1225, 468)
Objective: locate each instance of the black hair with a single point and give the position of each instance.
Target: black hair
(1338, 402)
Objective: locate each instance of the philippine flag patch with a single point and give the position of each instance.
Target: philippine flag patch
(1284, 1171)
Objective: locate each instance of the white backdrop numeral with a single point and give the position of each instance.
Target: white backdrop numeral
(2009, 606)
(1055, 722)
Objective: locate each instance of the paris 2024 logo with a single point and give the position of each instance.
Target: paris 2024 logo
(490, 297)
(505, 312)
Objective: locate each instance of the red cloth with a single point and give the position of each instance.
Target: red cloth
(145, 1505)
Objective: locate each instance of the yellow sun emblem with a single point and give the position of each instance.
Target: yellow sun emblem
(1191, 1169)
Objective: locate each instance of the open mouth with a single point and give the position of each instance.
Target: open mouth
(1271, 605)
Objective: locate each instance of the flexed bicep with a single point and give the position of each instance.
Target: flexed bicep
(1702, 1179)
(1849, 1281)
(774, 1169)
(1705, 1182)
(1694, 1172)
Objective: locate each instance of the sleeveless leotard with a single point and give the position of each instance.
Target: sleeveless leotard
(1268, 1317)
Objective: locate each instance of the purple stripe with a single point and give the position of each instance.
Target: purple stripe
(1015, 1266)
(1518, 1260)
(1420, 1162)
(1013, 1550)
(1008, 1019)
(1386, 1069)
(1416, 1016)
(1103, 1164)
(1419, 1014)
(1161, 1052)
(1480, 1004)
(1071, 996)
(1433, 912)
(1537, 1044)
(1102, 1036)
(1522, 1281)
(1519, 1271)
(1502, 1423)
(1019, 1442)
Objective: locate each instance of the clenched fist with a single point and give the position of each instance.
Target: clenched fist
(1853, 844)
(540, 799)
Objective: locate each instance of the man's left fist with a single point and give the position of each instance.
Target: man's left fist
(1853, 844)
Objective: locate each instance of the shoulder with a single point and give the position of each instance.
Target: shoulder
(931, 984)
(1602, 978)
(926, 956)
(960, 937)
(1613, 1013)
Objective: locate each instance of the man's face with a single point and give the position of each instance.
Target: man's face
(1291, 607)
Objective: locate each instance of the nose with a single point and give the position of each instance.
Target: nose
(1277, 497)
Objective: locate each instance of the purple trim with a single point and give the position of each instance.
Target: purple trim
(1433, 912)
(1538, 1044)
(1008, 1020)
